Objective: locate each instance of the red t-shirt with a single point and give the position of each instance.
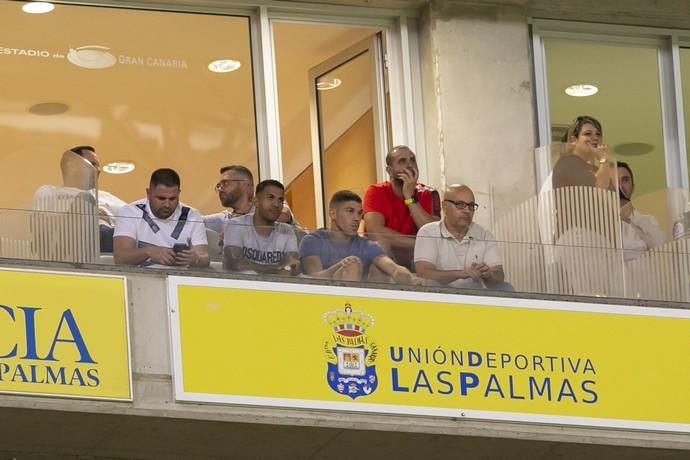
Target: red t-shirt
(381, 198)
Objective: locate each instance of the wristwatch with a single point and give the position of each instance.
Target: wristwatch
(409, 201)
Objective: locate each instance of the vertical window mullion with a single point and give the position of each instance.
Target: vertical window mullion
(542, 167)
(268, 122)
(680, 113)
(671, 113)
(415, 107)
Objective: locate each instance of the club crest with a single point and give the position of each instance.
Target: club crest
(350, 352)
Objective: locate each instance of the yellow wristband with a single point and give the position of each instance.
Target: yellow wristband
(409, 201)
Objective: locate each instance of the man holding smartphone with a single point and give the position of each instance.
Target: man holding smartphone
(159, 231)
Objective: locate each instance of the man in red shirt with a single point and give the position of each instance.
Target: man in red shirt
(394, 210)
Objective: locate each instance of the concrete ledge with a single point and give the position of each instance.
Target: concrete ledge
(154, 405)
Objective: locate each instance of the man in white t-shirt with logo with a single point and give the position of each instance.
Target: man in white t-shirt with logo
(235, 189)
(159, 231)
(257, 242)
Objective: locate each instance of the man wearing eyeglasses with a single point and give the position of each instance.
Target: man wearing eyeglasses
(235, 190)
(394, 210)
(456, 251)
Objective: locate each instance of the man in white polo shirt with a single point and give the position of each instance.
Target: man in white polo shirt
(159, 231)
(457, 252)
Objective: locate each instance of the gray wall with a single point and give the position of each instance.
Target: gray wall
(478, 102)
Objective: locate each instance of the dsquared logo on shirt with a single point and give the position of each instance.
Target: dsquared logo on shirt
(263, 257)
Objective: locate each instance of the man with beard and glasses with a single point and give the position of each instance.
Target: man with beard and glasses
(235, 189)
(159, 231)
(396, 209)
(456, 251)
(257, 242)
(340, 253)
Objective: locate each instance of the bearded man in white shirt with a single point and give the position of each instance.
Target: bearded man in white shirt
(159, 231)
(640, 232)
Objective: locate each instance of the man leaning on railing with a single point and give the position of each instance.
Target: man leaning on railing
(341, 254)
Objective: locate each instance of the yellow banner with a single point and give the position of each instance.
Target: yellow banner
(433, 354)
(64, 334)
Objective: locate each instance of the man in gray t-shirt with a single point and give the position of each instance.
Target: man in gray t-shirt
(256, 242)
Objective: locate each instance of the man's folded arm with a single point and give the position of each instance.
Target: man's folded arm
(375, 223)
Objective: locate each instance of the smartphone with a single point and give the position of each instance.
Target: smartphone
(180, 247)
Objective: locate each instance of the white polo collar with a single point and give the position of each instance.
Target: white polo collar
(470, 235)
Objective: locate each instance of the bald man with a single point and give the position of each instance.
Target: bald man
(394, 210)
(457, 252)
(81, 169)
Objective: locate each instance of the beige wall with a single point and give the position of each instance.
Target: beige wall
(349, 166)
(350, 161)
(300, 196)
(478, 102)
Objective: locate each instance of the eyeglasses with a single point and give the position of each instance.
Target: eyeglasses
(462, 205)
(225, 182)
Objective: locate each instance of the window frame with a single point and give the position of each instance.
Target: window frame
(402, 62)
(668, 43)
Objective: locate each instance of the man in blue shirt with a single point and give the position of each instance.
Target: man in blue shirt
(340, 253)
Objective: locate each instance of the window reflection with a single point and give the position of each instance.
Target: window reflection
(628, 104)
(316, 44)
(146, 96)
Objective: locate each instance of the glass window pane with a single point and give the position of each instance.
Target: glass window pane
(348, 158)
(627, 102)
(135, 85)
(299, 48)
